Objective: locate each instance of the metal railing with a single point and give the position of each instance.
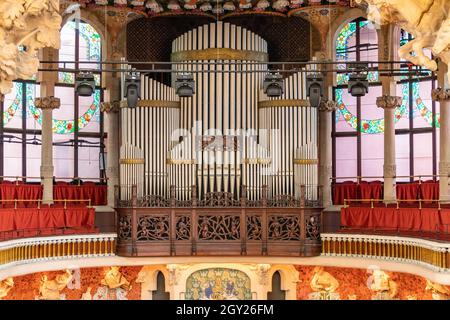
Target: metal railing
(347, 202)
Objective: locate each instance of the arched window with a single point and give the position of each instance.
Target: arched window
(160, 292)
(359, 123)
(277, 293)
(359, 126)
(76, 142)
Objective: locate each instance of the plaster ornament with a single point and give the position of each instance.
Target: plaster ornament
(218, 9)
(120, 2)
(114, 279)
(206, 6)
(51, 289)
(25, 27)
(174, 5)
(262, 5)
(382, 285)
(427, 20)
(137, 3)
(245, 4)
(296, 3)
(191, 4)
(438, 291)
(5, 286)
(262, 271)
(280, 5)
(229, 6)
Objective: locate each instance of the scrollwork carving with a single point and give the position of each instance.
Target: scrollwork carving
(152, 228)
(124, 232)
(283, 228)
(254, 228)
(183, 228)
(312, 224)
(219, 199)
(219, 227)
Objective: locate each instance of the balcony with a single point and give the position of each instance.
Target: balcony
(218, 224)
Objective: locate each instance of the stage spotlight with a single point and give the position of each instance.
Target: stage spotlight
(358, 85)
(314, 88)
(273, 84)
(132, 89)
(185, 85)
(85, 84)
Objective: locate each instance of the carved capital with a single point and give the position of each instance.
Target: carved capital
(444, 167)
(110, 107)
(389, 170)
(328, 106)
(47, 103)
(389, 102)
(440, 94)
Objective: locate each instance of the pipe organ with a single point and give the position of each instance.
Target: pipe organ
(229, 134)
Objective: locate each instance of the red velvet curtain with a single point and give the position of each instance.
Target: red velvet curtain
(429, 190)
(344, 190)
(96, 193)
(402, 219)
(408, 191)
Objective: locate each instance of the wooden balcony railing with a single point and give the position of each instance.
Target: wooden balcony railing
(218, 225)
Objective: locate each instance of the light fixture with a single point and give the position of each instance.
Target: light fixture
(185, 85)
(85, 84)
(132, 88)
(358, 85)
(314, 88)
(273, 84)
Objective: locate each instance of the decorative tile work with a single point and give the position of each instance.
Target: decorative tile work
(218, 284)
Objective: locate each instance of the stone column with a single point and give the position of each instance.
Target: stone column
(443, 97)
(389, 103)
(111, 110)
(325, 152)
(47, 104)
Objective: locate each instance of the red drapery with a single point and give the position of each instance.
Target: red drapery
(344, 190)
(408, 191)
(46, 218)
(97, 193)
(402, 219)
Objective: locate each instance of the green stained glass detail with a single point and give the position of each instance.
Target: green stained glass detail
(9, 113)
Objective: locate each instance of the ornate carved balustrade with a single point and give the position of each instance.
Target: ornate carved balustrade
(218, 224)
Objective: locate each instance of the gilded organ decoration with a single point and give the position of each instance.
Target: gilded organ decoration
(51, 289)
(25, 27)
(324, 285)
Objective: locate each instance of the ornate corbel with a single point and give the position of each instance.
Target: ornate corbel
(328, 106)
(389, 102)
(47, 103)
(440, 94)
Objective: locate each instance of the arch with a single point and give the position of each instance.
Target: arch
(148, 278)
(289, 277)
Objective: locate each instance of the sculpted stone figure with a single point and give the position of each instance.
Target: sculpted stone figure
(50, 289)
(114, 279)
(25, 27)
(427, 20)
(382, 285)
(323, 281)
(438, 291)
(5, 286)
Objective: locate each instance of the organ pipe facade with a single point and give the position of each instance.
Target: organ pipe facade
(228, 134)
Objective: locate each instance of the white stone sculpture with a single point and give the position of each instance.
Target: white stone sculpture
(427, 20)
(25, 27)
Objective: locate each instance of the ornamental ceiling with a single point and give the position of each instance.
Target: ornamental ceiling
(215, 8)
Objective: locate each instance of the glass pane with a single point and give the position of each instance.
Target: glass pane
(12, 155)
(402, 156)
(88, 158)
(63, 161)
(372, 117)
(402, 113)
(63, 117)
(372, 153)
(346, 161)
(89, 113)
(346, 113)
(33, 114)
(423, 109)
(67, 51)
(423, 154)
(12, 110)
(33, 159)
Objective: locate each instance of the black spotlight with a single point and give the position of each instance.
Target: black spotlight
(273, 84)
(314, 88)
(185, 85)
(85, 84)
(358, 85)
(132, 89)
